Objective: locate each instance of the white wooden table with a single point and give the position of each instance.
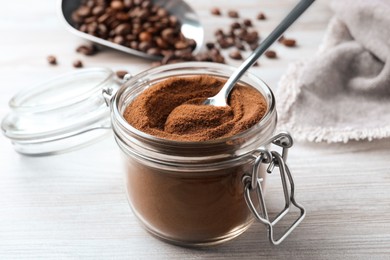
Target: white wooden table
(73, 205)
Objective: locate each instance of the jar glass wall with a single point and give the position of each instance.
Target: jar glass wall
(189, 193)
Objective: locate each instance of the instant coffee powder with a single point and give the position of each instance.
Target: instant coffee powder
(173, 109)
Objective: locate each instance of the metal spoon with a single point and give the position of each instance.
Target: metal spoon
(220, 99)
(190, 25)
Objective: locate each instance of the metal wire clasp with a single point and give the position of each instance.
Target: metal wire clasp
(108, 93)
(252, 183)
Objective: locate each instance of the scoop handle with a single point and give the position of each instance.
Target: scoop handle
(264, 45)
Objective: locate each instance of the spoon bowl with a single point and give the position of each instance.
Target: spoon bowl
(191, 27)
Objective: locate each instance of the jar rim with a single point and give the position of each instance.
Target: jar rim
(188, 65)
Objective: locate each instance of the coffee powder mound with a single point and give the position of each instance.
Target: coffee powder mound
(172, 109)
(194, 118)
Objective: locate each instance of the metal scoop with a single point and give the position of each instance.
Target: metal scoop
(220, 99)
(190, 25)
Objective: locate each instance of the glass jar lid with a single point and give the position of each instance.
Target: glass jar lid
(60, 114)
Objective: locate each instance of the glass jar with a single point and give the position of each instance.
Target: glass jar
(187, 193)
(200, 193)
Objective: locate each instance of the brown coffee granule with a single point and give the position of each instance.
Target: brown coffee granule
(172, 109)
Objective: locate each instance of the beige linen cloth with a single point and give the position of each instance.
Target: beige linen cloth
(343, 92)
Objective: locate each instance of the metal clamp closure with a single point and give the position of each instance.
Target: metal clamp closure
(108, 93)
(252, 183)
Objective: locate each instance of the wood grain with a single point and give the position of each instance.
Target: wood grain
(73, 205)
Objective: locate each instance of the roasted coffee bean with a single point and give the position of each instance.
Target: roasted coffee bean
(247, 22)
(121, 73)
(261, 16)
(83, 11)
(90, 19)
(145, 37)
(226, 42)
(123, 29)
(136, 30)
(251, 37)
(216, 56)
(161, 43)
(167, 57)
(235, 25)
(134, 45)
(203, 57)
(241, 33)
(289, 42)
(76, 18)
(144, 46)
(184, 55)
(92, 28)
(233, 14)
(191, 43)
(235, 54)
(87, 49)
(168, 34)
(153, 51)
(77, 64)
(254, 46)
(117, 5)
(146, 4)
(98, 10)
(52, 60)
(161, 12)
(152, 30)
(84, 28)
(215, 11)
(181, 45)
(215, 52)
(137, 2)
(270, 54)
(210, 45)
(219, 32)
(165, 22)
(123, 17)
(128, 4)
(102, 30)
(146, 25)
(119, 40)
(173, 22)
(239, 45)
(103, 18)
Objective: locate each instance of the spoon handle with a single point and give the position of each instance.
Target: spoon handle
(275, 35)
